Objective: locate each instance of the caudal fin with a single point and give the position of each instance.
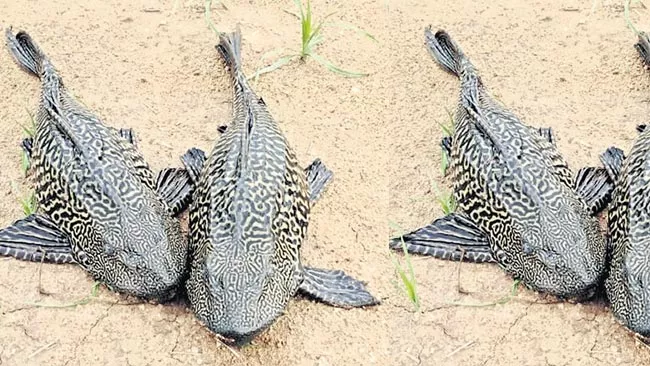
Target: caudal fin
(26, 53)
(643, 46)
(444, 51)
(229, 48)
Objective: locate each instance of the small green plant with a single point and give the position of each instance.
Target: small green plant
(311, 37)
(445, 199)
(408, 280)
(444, 164)
(25, 163)
(447, 203)
(29, 203)
(448, 128)
(501, 301)
(447, 131)
(409, 284)
(93, 294)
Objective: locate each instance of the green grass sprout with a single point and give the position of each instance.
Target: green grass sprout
(409, 283)
(208, 16)
(445, 199)
(444, 164)
(448, 128)
(311, 37)
(626, 14)
(505, 299)
(352, 28)
(87, 299)
(25, 163)
(29, 203)
(447, 131)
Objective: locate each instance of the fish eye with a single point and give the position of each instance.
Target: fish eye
(109, 249)
(526, 247)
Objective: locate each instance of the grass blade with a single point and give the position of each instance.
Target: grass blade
(335, 69)
(208, 16)
(93, 294)
(410, 285)
(353, 28)
(274, 66)
(450, 128)
(299, 6)
(447, 203)
(28, 204)
(25, 163)
(409, 282)
(315, 37)
(445, 162)
(501, 301)
(626, 15)
(305, 25)
(446, 130)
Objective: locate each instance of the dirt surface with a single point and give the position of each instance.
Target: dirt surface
(152, 66)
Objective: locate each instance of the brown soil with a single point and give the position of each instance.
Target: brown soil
(152, 67)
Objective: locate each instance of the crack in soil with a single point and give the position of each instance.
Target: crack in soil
(445, 331)
(92, 327)
(21, 326)
(514, 323)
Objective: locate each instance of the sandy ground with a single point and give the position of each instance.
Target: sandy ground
(152, 66)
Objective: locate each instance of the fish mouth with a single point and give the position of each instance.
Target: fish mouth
(588, 293)
(237, 339)
(240, 338)
(165, 296)
(155, 297)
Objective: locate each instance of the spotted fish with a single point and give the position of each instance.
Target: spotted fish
(518, 203)
(628, 234)
(248, 219)
(100, 205)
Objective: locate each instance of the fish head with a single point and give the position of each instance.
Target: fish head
(563, 250)
(249, 287)
(147, 252)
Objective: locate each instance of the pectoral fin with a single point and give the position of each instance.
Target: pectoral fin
(547, 133)
(128, 135)
(193, 160)
(318, 176)
(35, 238)
(27, 145)
(175, 186)
(335, 288)
(453, 237)
(595, 187)
(612, 160)
(643, 47)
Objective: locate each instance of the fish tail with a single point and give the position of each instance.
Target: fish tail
(27, 54)
(445, 51)
(229, 48)
(643, 47)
